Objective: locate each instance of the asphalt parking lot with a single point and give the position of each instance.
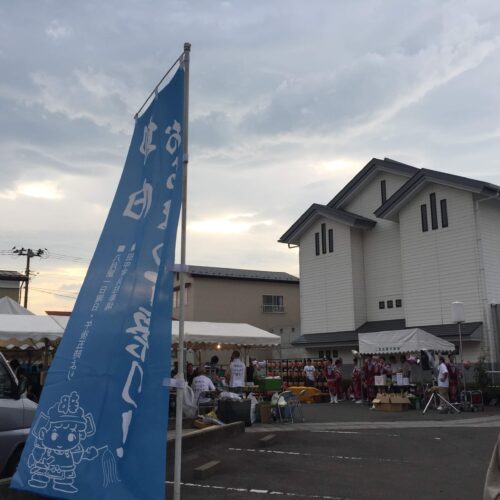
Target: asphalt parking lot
(343, 452)
(329, 461)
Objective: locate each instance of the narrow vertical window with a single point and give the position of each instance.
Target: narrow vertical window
(330, 240)
(423, 215)
(323, 238)
(316, 243)
(444, 213)
(434, 215)
(383, 191)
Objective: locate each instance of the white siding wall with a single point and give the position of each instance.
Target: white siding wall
(489, 231)
(358, 277)
(382, 251)
(368, 198)
(439, 266)
(326, 290)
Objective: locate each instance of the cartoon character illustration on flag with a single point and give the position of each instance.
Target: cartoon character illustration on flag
(100, 428)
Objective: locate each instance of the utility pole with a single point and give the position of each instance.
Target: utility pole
(28, 253)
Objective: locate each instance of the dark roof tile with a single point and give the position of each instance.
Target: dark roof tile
(245, 274)
(12, 276)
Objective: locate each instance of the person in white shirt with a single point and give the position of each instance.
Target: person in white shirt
(309, 373)
(236, 372)
(201, 383)
(443, 380)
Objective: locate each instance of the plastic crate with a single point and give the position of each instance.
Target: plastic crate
(270, 384)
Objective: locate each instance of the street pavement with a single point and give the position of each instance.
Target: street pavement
(346, 451)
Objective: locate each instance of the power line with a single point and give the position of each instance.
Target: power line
(60, 256)
(52, 292)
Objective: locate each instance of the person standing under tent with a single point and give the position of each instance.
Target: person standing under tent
(453, 378)
(369, 376)
(337, 376)
(250, 370)
(309, 373)
(405, 366)
(236, 372)
(356, 381)
(395, 367)
(330, 380)
(443, 380)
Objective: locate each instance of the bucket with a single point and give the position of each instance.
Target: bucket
(265, 413)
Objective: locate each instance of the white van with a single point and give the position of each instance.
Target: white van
(16, 414)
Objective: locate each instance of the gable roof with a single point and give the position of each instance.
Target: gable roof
(374, 166)
(407, 191)
(314, 212)
(242, 274)
(12, 276)
(470, 332)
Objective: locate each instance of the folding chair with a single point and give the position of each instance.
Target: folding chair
(289, 407)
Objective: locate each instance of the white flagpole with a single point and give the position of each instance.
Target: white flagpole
(182, 286)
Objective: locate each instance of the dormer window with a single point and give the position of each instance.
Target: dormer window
(444, 213)
(434, 213)
(434, 217)
(323, 240)
(383, 192)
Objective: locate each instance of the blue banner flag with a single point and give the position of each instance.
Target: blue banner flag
(100, 429)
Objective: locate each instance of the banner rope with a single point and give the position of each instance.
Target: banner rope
(155, 90)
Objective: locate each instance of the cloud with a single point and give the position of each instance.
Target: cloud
(56, 30)
(45, 190)
(107, 101)
(229, 224)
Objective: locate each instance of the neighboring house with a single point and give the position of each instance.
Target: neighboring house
(393, 249)
(267, 300)
(10, 284)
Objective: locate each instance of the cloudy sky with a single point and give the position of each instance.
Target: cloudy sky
(289, 99)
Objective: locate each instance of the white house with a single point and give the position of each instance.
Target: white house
(392, 250)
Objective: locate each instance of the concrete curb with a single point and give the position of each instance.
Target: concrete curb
(204, 438)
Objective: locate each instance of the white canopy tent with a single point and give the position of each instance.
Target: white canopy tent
(9, 306)
(18, 329)
(208, 335)
(401, 342)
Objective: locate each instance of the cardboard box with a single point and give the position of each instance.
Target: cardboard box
(383, 398)
(398, 399)
(380, 379)
(391, 402)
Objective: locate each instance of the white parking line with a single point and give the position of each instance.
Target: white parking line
(258, 491)
(319, 455)
(328, 431)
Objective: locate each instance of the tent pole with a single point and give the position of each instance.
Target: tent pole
(182, 284)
